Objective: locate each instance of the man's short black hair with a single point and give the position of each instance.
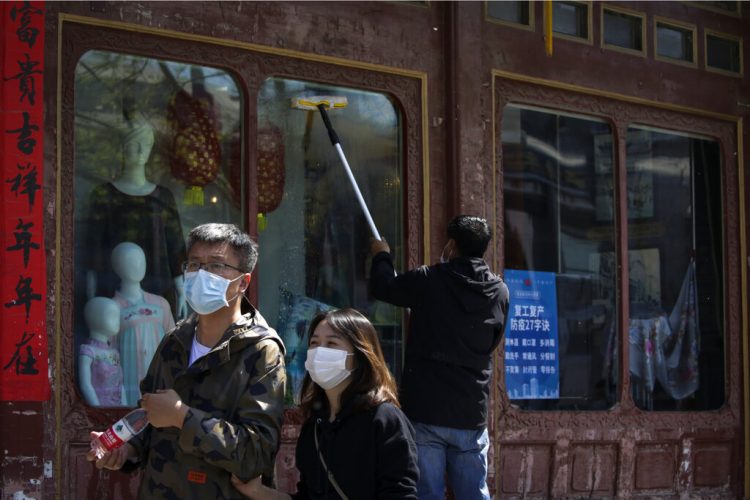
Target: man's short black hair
(471, 234)
(215, 233)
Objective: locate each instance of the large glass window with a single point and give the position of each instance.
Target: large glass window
(157, 152)
(675, 263)
(559, 206)
(560, 255)
(313, 236)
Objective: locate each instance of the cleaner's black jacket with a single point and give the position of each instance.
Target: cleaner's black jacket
(458, 312)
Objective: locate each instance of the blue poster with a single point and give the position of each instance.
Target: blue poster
(531, 345)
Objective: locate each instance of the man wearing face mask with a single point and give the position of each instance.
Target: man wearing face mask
(214, 391)
(458, 311)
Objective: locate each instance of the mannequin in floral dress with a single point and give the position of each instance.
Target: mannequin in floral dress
(99, 369)
(144, 317)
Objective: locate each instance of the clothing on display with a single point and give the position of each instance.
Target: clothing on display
(150, 221)
(106, 371)
(666, 349)
(142, 326)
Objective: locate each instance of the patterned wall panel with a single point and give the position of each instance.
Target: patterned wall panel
(655, 467)
(712, 465)
(593, 469)
(525, 470)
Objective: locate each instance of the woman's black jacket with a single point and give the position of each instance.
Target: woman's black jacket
(371, 454)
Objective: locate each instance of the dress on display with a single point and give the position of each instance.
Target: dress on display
(106, 371)
(150, 221)
(142, 326)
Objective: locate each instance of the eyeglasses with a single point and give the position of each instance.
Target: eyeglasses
(211, 267)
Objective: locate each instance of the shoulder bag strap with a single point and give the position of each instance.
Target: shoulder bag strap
(325, 467)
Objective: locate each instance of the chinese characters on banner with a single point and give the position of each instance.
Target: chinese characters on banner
(531, 345)
(23, 333)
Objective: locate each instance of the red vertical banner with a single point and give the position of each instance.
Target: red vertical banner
(23, 274)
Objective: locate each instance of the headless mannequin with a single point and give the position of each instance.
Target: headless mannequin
(145, 318)
(136, 150)
(129, 263)
(137, 146)
(99, 370)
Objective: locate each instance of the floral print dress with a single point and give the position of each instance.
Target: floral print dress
(142, 326)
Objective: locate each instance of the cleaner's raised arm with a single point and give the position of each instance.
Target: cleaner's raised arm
(378, 246)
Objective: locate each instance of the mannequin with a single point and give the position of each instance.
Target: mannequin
(99, 369)
(144, 318)
(132, 208)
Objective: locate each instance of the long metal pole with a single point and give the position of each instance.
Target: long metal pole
(337, 144)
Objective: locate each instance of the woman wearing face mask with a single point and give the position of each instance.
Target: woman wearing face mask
(355, 443)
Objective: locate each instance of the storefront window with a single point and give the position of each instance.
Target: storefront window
(560, 256)
(559, 228)
(313, 236)
(675, 263)
(157, 152)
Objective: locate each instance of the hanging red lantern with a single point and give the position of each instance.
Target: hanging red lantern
(271, 169)
(195, 156)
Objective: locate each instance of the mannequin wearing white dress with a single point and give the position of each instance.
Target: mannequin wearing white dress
(144, 317)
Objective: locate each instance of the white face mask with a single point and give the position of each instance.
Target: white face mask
(206, 292)
(327, 367)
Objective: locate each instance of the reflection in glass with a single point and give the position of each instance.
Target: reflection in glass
(559, 202)
(675, 267)
(314, 239)
(157, 152)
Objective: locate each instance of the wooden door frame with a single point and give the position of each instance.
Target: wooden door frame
(732, 418)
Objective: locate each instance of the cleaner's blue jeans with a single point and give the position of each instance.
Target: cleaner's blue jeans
(460, 452)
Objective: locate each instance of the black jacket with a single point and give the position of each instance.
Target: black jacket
(458, 312)
(371, 454)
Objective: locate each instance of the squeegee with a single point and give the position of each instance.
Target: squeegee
(322, 103)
